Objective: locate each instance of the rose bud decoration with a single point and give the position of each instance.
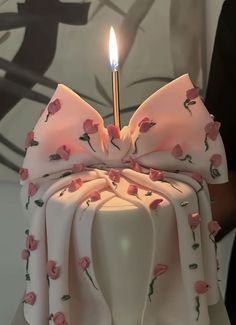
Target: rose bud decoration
(75, 185)
(155, 204)
(84, 263)
(31, 243)
(214, 227)
(158, 270)
(53, 108)
(156, 175)
(212, 131)
(77, 168)
(114, 133)
(114, 175)
(194, 220)
(132, 189)
(53, 270)
(215, 162)
(29, 141)
(30, 298)
(24, 173)
(145, 124)
(94, 196)
(191, 94)
(89, 128)
(177, 151)
(201, 287)
(59, 319)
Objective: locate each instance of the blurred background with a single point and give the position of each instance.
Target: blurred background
(46, 42)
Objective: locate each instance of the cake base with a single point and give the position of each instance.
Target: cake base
(218, 315)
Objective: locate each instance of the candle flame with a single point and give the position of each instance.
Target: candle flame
(113, 50)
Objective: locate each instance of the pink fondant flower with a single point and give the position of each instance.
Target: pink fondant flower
(84, 263)
(53, 270)
(94, 196)
(177, 151)
(25, 254)
(201, 287)
(135, 165)
(29, 141)
(156, 175)
(24, 173)
(194, 220)
(113, 131)
(31, 243)
(155, 204)
(160, 269)
(54, 107)
(77, 168)
(212, 130)
(216, 160)
(132, 189)
(75, 185)
(63, 152)
(30, 298)
(214, 227)
(192, 93)
(59, 319)
(197, 177)
(145, 124)
(90, 127)
(114, 175)
(32, 189)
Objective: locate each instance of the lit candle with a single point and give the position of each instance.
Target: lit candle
(113, 54)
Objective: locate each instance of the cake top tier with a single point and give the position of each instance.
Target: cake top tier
(171, 130)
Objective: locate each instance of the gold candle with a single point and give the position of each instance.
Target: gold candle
(113, 54)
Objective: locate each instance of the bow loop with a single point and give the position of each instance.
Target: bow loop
(171, 130)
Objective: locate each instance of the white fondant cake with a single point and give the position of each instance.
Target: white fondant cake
(120, 221)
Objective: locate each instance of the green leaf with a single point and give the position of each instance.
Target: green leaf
(193, 266)
(54, 157)
(27, 277)
(85, 137)
(65, 174)
(46, 175)
(149, 193)
(184, 203)
(27, 232)
(65, 297)
(195, 246)
(193, 102)
(34, 143)
(39, 202)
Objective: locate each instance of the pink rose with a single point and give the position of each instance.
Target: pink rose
(31, 243)
(64, 152)
(30, 298)
(132, 189)
(197, 177)
(192, 93)
(94, 196)
(75, 185)
(59, 319)
(32, 189)
(212, 130)
(156, 175)
(25, 254)
(114, 175)
(53, 270)
(24, 173)
(135, 166)
(54, 107)
(145, 124)
(29, 139)
(90, 127)
(113, 131)
(77, 168)
(214, 227)
(155, 204)
(201, 287)
(84, 263)
(160, 269)
(177, 151)
(194, 220)
(216, 160)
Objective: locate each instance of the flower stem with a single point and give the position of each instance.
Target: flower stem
(206, 143)
(91, 146)
(115, 145)
(135, 146)
(90, 278)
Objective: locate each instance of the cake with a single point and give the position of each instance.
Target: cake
(120, 225)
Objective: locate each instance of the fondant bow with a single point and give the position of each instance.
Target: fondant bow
(171, 130)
